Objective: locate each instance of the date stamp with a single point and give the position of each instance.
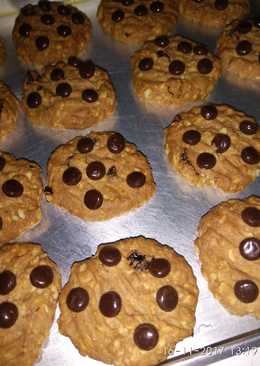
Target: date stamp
(212, 351)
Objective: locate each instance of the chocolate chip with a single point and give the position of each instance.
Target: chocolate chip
(109, 256)
(63, 90)
(86, 69)
(34, 100)
(2, 163)
(167, 298)
(8, 314)
(77, 299)
(136, 179)
(146, 64)
(93, 199)
(243, 48)
(47, 19)
(96, 170)
(249, 249)
(42, 42)
(162, 41)
(89, 95)
(184, 47)
(41, 276)
(176, 67)
(141, 10)
(63, 10)
(127, 2)
(157, 7)
(257, 22)
(78, 18)
(7, 282)
(74, 61)
(64, 30)
(57, 74)
(205, 66)
(191, 137)
(221, 4)
(85, 145)
(110, 304)
(159, 267)
(222, 142)
(118, 16)
(250, 155)
(12, 188)
(116, 143)
(248, 127)
(206, 161)
(112, 172)
(251, 216)
(72, 176)
(209, 112)
(25, 30)
(246, 291)
(200, 50)
(244, 26)
(146, 336)
(44, 5)
(48, 190)
(28, 10)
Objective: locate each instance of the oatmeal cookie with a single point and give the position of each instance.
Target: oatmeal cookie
(9, 110)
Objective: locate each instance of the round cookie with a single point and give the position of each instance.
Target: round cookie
(75, 94)
(29, 288)
(173, 71)
(228, 244)
(99, 176)
(20, 196)
(9, 110)
(50, 32)
(214, 145)
(212, 14)
(135, 21)
(130, 303)
(2, 52)
(239, 50)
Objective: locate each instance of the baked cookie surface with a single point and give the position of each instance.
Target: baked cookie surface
(239, 50)
(130, 303)
(50, 32)
(20, 196)
(29, 288)
(75, 94)
(2, 52)
(135, 21)
(9, 110)
(99, 176)
(229, 250)
(214, 145)
(173, 71)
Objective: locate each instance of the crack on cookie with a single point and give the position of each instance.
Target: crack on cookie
(48, 190)
(185, 159)
(139, 261)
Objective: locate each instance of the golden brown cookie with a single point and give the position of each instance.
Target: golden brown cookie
(173, 71)
(2, 52)
(75, 94)
(212, 14)
(135, 21)
(214, 145)
(130, 303)
(20, 196)
(99, 176)
(50, 32)
(229, 250)
(29, 288)
(9, 110)
(239, 50)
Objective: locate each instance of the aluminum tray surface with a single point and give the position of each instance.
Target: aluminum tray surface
(170, 217)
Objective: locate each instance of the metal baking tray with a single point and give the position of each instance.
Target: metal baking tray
(170, 217)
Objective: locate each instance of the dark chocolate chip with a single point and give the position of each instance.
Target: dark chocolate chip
(34, 100)
(249, 249)
(118, 15)
(167, 298)
(159, 267)
(257, 22)
(8, 314)
(57, 74)
(63, 10)
(248, 127)
(191, 137)
(116, 143)
(209, 112)
(2, 163)
(93, 199)
(246, 291)
(25, 30)
(72, 176)
(109, 256)
(222, 142)
(63, 90)
(243, 48)
(221, 4)
(28, 10)
(74, 61)
(157, 6)
(64, 30)
(146, 64)
(251, 216)
(110, 304)
(136, 179)
(78, 18)
(47, 19)
(41, 276)
(89, 95)
(96, 170)
(85, 145)
(146, 336)
(127, 2)
(12, 188)
(206, 161)
(44, 5)
(162, 41)
(48, 190)
(205, 66)
(42, 42)
(7, 282)
(141, 10)
(200, 50)
(176, 67)
(184, 47)
(77, 299)
(244, 26)
(250, 155)
(86, 69)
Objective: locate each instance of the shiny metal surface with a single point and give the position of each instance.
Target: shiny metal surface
(170, 217)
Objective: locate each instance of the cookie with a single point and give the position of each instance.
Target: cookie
(239, 50)
(20, 196)
(2, 52)
(29, 288)
(99, 176)
(75, 94)
(229, 250)
(214, 145)
(50, 32)
(9, 110)
(130, 303)
(135, 21)
(173, 71)
(212, 15)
